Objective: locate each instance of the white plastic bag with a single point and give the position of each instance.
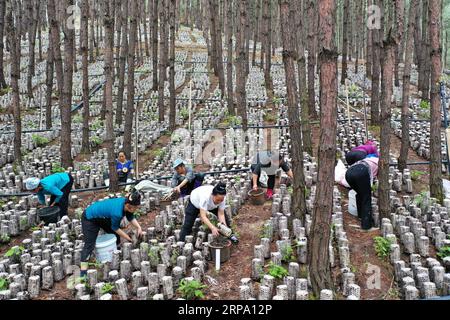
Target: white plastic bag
(339, 174)
(263, 178)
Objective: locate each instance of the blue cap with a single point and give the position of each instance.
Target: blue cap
(177, 162)
(32, 183)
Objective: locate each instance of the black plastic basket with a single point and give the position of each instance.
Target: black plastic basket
(49, 214)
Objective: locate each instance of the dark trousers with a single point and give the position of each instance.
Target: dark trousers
(270, 181)
(198, 181)
(63, 203)
(355, 156)
(190, 214)
(358, 177)
(90, 229)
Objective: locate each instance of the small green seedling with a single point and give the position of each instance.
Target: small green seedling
(190, 290)
(4, 283)
(382, 247)
(57, 168)
(444, 252)
(40, 141)
(14, 252)
(287, 253)
(277, 271)
(5, 238)
(107, 288)
(416, 174)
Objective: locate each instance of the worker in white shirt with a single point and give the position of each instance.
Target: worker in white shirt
(203, 199)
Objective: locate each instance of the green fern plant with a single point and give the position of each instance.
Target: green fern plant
(444, 252)
(39, 140)
(107, 288)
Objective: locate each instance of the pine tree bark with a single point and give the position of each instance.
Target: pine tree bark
(377, 36)
(369, 51)
(302, 84)
(241, 79)
(311, 41)
(388, 59)
(13, 35)
(66, 107)
(257, 30)
(288, 34)
(92, 43)
(155, 44)
(145, 8)
(399, 21)
(127, 143)
(84, 34)
(435, 124)
(402, 160)
(49, 71)
(229, 35)
(32, 12)
(119, 17)
(2, 46)
(108, 21)
(345, 41)
(162, 64)
(319, 259)
(172, 109)
(426, 48)
(122, 65)
(216, 39)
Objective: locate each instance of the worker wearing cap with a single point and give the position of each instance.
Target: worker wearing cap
(202, 200)
(184, 179)
(107, 215)
(57, 185)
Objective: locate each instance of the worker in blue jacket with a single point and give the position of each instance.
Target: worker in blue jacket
(107, 215)
(57, 185)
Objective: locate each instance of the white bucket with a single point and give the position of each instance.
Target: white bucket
(105, 246)
(352, 208)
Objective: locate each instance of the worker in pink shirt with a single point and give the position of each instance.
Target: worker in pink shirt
(360, 177)
(361, 152)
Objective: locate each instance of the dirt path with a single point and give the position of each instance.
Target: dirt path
(248, 223)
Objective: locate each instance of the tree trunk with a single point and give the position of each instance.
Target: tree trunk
(122, 64)
(345, 41)
(267, 48)
(66, 107)
(435, 124)
(144, 21)
(118, 25)
(229, 35)
(302, 84)
(108, 22)
(32, 10)
(426, 48)
(417, 36)
(388, 59)
(369, 52)
(359, 40)
(257, 27)
(247, 37)
(2, 33)
(84, 40)
(92, 43)
(216, 38)
(406, 87)
(54, 27)
(319, 256)
(311, 39)
(376, 71)
(288, 21)
(241, 79)
(214, 56)
(14, 42)
(172, 105)
(162, 64)
(50, 67)
(155, 44)
(127, 143)
(399, 21)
